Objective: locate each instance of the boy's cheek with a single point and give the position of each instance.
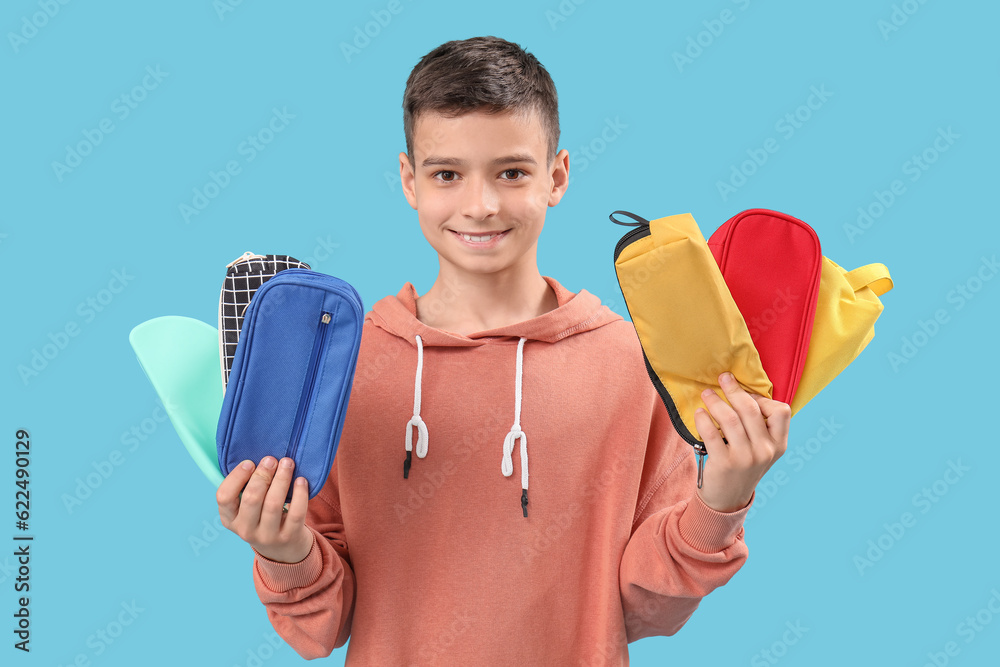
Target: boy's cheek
(431, 218)
(538, 205)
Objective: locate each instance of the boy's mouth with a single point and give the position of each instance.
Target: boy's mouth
(481, 239)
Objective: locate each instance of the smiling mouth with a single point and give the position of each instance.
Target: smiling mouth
(480, 237)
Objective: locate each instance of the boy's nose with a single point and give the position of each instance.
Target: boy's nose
(479, 200)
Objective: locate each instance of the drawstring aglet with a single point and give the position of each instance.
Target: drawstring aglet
(524, 501)
(406, 464)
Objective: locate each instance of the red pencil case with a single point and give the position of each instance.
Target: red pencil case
(772, 264)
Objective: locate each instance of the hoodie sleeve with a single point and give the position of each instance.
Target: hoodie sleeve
(680, 549)
(311, 603)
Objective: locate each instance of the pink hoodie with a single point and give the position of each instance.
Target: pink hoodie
(426, 553)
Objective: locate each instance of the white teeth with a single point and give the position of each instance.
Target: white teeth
(478, 239)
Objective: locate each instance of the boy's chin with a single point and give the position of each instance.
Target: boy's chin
(478, 266)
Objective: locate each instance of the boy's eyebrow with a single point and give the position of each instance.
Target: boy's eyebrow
(451, 161)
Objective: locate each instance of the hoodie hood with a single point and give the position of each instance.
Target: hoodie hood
(575, 313)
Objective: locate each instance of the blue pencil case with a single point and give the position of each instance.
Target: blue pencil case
(292, 374)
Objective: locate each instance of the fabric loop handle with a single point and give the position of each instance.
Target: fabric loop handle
(639, 220)
(875, 275)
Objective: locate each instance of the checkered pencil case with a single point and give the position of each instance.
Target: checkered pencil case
(244, 275)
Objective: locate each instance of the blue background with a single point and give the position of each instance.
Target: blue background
(326, 190)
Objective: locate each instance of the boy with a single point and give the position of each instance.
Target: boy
(449, 561)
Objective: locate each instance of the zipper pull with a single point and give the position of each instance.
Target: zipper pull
(325, 319)
(243, 258)
(701, 452)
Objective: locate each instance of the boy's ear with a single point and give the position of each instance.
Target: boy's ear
(560, 177)
(407, 179)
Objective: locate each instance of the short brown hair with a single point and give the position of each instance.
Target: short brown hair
(481, 74)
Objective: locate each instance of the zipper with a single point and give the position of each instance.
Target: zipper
(319, 343)
(630, 237)
(675, 418)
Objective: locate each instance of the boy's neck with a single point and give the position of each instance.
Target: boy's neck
(466, 303)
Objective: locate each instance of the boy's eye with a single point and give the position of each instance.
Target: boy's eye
(445, 172)
(515, 173)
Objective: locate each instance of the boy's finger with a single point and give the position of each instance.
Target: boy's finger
(747, 409)
(271, 512)
(710, 435)
(256, 491)
(777, 414)
(728, 419)
(228, 493)
(299, 506)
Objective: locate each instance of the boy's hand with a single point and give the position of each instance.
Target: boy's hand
(258, 517)
(756, 431)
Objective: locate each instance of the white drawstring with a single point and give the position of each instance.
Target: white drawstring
(506, 465)
(416, 420)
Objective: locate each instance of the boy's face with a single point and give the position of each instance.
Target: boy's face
(481, 187)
